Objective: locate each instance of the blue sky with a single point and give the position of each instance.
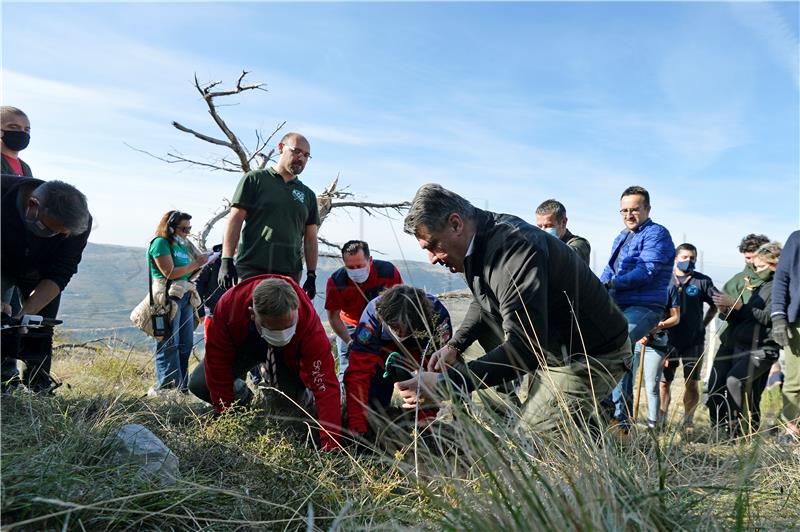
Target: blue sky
(508, 104)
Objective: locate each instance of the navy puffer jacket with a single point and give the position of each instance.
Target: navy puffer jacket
(645, 266)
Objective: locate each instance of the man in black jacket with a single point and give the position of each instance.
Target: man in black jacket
(44, 231)
(537, 308)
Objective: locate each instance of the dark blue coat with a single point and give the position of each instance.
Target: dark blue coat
(645, 266)
(786, 286)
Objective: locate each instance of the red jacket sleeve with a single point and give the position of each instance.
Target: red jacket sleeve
(397, 279)
(317, 372)
(333, 298)
(220, 354)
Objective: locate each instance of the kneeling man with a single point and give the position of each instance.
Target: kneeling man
(269, 320)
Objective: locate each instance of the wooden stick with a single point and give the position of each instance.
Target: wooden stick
(639, 379)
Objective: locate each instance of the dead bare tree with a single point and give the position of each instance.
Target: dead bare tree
(245, 160)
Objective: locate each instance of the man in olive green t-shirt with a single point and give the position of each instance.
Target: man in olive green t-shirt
(277, 218)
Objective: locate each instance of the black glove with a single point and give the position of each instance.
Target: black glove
(227, 274)
(310, 286)
(780, 330)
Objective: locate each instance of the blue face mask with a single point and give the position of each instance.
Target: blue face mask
(551, 230)
(685, 266)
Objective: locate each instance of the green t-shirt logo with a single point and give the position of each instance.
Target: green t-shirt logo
(298, 195)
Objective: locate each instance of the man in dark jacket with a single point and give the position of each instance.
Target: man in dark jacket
(786, 331)
(45, 229)
(637, 277)
(537, 308)
(551, 217)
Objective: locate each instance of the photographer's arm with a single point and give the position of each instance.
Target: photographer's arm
(44, 293)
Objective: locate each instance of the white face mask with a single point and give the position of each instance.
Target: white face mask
(358, 275)
(552, 230)
(277, 338)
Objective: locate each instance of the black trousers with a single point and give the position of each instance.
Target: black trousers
(737, 381)
(36, 347)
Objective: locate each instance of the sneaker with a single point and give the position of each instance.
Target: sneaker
(159, 392)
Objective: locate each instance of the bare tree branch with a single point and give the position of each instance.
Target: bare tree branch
(261, 144)
(219, 215)
(208, 97)
(239, 87)
(400, 206)
(172, 158)
(95, 341)
(330, 244)
(200, 136)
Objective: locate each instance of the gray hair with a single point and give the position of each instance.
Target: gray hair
(769, 252)
(432, 206)
(552, 206)
(274, 297)
(65, 203)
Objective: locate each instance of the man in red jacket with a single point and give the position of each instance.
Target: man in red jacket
(269, 319)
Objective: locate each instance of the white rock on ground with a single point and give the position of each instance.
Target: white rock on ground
(137, 444)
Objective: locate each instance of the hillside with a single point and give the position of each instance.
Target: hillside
(111, 281)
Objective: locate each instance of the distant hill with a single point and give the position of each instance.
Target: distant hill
(112, 280)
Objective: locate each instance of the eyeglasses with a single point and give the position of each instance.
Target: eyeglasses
(186, 228)
(625, 212)
(297, 151)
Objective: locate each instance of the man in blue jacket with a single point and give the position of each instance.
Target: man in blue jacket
(786, 331)
(637, 277)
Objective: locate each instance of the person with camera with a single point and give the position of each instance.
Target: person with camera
(171, 261)
(396, 332)
(45, 228)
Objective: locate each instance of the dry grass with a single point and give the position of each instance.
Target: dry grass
(247, 471)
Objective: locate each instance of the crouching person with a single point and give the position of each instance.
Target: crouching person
(269, 321)
(404, 325)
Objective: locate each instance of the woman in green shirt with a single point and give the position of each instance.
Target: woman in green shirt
(171, 257)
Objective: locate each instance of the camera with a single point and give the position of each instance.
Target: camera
(14, 330)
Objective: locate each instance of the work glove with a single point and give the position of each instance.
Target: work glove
(780, 330)
(227, 273)
(310, 286)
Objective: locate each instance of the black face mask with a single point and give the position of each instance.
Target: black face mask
(16, 140)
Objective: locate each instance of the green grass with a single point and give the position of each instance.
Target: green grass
(247, 471)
